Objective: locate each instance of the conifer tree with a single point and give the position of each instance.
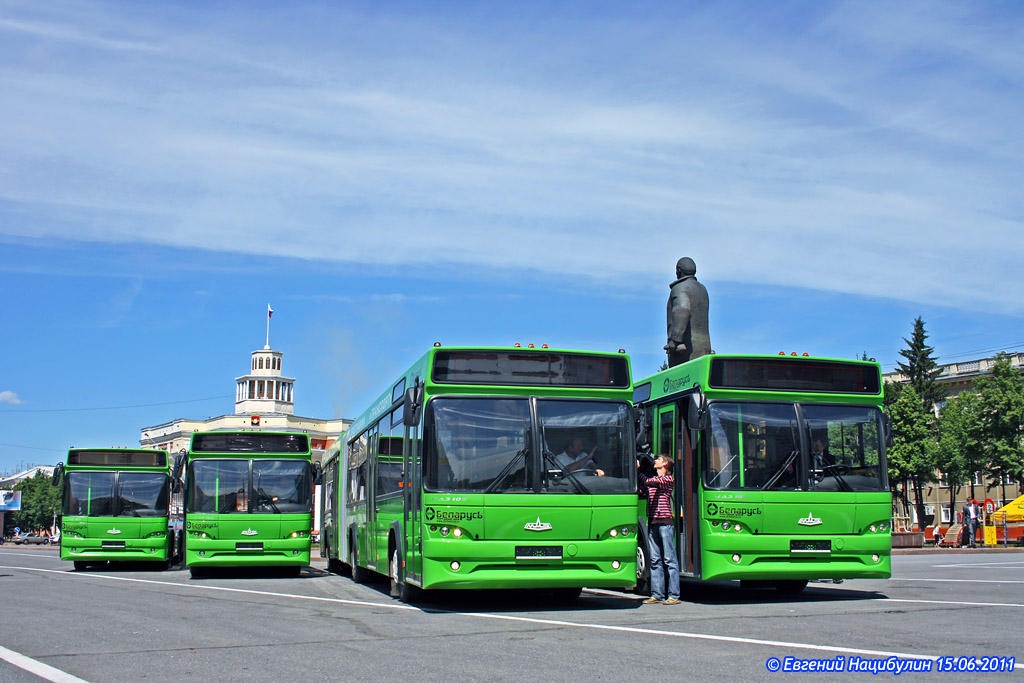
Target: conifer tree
(921, 368)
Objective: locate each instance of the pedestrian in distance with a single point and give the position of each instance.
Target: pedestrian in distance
(661, 532)
(972, 517)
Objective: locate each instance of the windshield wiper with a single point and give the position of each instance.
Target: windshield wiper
(833, 470)
(507, 470)
(261, 494)
(580, 488)
(782, 470)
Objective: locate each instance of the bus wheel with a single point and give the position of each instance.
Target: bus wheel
(400, 589)
(643, 570)
(790, 587)
(359, 574)
(81, 566)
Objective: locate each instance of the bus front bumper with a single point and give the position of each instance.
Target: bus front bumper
(100, 550)
(231, 553)
(769, 557)
(467, 563)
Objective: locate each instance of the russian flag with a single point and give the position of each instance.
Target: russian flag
(270, 311)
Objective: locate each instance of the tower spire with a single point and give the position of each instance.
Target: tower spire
(270, 313)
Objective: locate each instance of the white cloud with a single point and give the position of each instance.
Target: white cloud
(10, 397)
(825, 149)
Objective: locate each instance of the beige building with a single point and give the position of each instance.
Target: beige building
(264, 400)
(955, 378)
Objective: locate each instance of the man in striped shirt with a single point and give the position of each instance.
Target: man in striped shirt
(661, 532)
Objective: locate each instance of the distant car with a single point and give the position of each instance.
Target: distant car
(31, 539)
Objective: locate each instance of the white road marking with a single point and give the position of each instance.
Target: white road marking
(33, 666)
(962, 580)
(547, 622)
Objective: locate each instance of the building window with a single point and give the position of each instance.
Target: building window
(945, 514)
(252, 388)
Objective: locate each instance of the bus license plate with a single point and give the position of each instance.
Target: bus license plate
(249, 546)
(538, 552)
(113, 544)
(810, 546)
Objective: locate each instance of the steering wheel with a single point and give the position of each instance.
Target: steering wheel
(837, 469)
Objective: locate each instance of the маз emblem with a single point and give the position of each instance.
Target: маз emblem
(809, 520)
(113, 531)
(537, 526)
(249, 532)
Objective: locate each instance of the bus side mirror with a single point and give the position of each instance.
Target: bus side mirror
(58, 474)
(643, 429)
(697, 412)
(318, 474)
(179, 466)
(887, 426)
(413, 405)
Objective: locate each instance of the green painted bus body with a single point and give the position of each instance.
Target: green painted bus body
(253, 534)
(132, 530)
(443, 538)
(742, 531)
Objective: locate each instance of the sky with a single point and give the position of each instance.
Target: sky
(388, 175)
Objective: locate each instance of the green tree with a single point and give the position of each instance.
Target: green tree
(957, 455)
(1001, 422)
(40, 501)
(920, 367)
(912, 456)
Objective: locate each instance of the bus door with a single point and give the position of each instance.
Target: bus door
(329, 508)
(666, 445)
(372, 505)
(686, 486)
(412, 523)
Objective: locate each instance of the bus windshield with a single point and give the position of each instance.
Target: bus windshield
(758, 446)
(91, 494)
(142, 494)
(484, 445)
(278, 486)
(138, 494)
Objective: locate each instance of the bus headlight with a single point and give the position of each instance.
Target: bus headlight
(736, 559)
(445, 531)
(457, 532)
(726, 526)
(616, 564)
(613, 533)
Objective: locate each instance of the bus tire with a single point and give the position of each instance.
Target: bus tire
(81, 566)
(359, 574)
(643, 568)
(791, 587)
(400, 589)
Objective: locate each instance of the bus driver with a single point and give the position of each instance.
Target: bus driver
(574, 458)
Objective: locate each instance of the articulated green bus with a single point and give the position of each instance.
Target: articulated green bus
(489, 468)
(115, 506)
(248, 500)
(780, 467)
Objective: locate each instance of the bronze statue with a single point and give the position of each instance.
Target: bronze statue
(688, 335)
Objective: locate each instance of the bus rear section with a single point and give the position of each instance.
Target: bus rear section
(248, 500)
(115, 507)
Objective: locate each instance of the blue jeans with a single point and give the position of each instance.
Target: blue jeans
(663, 554)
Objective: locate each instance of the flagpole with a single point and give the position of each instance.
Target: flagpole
(269, 310)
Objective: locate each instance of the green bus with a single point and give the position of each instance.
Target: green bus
(460, 475)
(115, 506)
(780, 467)
(248, 500)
